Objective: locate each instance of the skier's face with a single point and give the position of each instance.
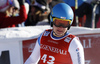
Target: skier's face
(60, 26)
(59, 31)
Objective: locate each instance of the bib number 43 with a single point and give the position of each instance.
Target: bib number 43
(50, 61)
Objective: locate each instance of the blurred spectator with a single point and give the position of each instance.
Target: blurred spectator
(16, 8)
(28, 1)
(98, 23)
(6, 13)
(97, 13)
(37, 12)
(54, 2)
(73, 5)
(27, 11)
(87, 9)
(72, 2)
(27, 7)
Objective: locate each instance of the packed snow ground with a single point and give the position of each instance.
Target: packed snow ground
(32, 31)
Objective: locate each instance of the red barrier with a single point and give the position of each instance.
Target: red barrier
(28, 46)
(90, 43)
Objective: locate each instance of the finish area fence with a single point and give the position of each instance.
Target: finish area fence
(16, 44)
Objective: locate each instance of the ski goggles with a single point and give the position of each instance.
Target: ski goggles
(61, 22)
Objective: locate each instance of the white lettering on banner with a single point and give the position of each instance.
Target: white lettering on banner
(53, 49)
(87, 61)
(31, 47)
(88, 45)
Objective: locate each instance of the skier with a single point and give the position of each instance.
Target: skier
(57, 46)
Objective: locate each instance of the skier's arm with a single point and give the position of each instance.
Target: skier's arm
(76, 51)
(35, 55)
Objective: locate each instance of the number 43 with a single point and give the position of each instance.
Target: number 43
(50, 61)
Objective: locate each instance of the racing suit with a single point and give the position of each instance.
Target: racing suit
(57, 50)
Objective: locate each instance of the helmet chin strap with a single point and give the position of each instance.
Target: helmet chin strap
(57, 35)
(54, 34)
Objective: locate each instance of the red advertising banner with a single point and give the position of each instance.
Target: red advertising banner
(28, 46)
(90, 43)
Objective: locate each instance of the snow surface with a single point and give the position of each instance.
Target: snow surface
(34, 31)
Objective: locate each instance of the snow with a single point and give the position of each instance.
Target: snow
(34, 31)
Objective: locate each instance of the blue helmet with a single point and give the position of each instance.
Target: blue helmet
(62, 11)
